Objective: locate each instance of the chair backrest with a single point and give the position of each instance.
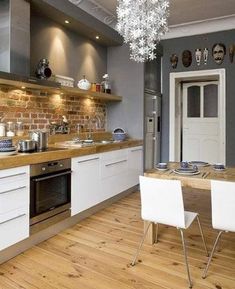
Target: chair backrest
(223, 205)
(162, 201)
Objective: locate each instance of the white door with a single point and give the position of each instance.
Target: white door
(201, 122)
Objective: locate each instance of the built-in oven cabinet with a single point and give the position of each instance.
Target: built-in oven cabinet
(14, 205)
(135, 165)
(85, 189)
(114, 173)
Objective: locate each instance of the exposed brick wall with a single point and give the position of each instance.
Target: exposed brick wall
(36, 111)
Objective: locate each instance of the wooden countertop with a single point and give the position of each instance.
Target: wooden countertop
(22, 159)
(200, 181)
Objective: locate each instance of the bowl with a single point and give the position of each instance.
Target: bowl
(5, 142)
(162, 165)
(219, 166)
(119, 136)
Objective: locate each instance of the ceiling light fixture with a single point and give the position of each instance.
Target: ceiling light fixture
(66, 21)
(142, 23)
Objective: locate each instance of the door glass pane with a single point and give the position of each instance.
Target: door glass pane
(211, 100)
(193, 109)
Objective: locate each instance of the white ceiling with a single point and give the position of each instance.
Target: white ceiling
(184, 11)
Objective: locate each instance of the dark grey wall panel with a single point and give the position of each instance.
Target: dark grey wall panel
(127, 79)
(177, 46)
(69, 53)
(5, 35)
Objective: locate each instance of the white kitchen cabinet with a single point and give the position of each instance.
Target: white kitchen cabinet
(98, 177)
(14, 205)
(114, 173)
(85, 183)
(135, 165)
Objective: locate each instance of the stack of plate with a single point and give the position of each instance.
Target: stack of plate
(187, 171)
(6, 147)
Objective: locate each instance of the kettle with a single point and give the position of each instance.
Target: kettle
(41, 139)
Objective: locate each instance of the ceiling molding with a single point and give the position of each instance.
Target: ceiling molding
(201, 27)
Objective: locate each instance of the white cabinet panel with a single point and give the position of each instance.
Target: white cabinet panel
(85, 183)
(14, 205)
(114, 173)
(14, 230)
(135, 165)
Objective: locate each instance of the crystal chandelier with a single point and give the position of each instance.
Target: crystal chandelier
(142, 23)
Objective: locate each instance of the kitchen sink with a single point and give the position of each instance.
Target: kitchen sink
(82, 143)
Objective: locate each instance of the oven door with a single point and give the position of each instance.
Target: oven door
(48, 192)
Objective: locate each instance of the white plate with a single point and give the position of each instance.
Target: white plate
(199, 163)
(219, 170)
(161, 169)
(8, 153)
(187, 173)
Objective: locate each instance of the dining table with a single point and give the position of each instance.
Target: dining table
(201, 180)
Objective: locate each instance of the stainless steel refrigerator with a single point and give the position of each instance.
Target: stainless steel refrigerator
(152, 128)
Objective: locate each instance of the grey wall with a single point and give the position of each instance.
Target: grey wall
(127, 79)
(69, 54)
(4, 35)
(15, 36)
(177, 46)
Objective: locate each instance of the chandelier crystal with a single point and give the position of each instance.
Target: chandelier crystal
(142, 23)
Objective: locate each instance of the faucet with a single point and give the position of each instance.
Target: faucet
(93, 121)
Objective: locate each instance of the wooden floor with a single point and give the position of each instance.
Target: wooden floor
(96, 253)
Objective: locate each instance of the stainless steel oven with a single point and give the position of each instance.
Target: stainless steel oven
(50, 191)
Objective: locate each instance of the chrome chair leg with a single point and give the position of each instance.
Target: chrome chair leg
(156, 235)
(203, 239)
(211, 255)
(186, 258)
(140, 245)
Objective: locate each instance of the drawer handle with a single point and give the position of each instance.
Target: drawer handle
(15, 175)
(136, 150)
(111, 164)
(17, 217)
(80, 162)
(12, 190)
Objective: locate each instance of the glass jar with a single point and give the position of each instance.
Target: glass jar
(105, 84)
(19, 128)
(2, 129)
(93, 87)
(10, 128)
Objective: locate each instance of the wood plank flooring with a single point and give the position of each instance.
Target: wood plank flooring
(96, 254)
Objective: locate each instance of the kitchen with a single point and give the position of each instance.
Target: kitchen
(74, 52)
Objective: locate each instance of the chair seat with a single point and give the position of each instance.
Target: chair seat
(189, 218)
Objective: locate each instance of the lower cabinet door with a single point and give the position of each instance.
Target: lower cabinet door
(85, 183)
(135, 165)
(14, 230)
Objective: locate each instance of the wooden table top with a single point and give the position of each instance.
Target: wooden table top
(200, 181)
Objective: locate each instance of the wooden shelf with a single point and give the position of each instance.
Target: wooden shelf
(90, 94)
(50, 87)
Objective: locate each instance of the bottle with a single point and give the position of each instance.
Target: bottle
(10, 128)
(2, 129)
(105, 84)
(19, 128)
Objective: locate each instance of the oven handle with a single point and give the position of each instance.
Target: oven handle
(52, 176)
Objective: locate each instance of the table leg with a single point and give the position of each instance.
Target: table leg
(150, 237)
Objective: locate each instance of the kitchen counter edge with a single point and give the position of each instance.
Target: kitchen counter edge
(40, 157)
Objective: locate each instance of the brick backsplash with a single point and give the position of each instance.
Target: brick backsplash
(37, 110)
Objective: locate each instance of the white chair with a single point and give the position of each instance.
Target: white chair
(223, 211)
(162, 203)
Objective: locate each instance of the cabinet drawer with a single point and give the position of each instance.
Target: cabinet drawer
(14, 230)
(114, 167)
(114, 155)
(15, 196)
(13, 176)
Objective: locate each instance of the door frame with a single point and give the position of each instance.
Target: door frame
(175, 110)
